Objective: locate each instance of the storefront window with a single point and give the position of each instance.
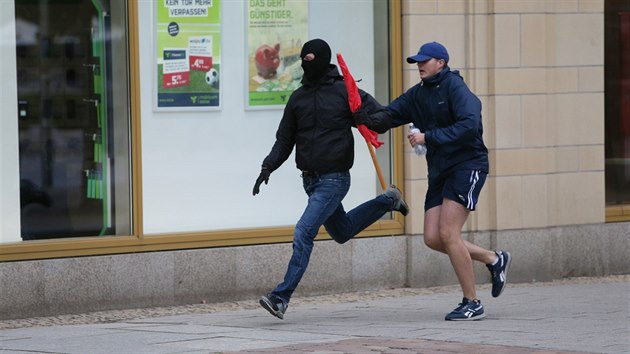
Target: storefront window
(66, 130)
(73, 118)
(617, 87)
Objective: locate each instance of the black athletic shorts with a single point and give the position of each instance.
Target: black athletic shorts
(462, 186)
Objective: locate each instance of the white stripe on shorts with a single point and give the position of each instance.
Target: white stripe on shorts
(474, 177)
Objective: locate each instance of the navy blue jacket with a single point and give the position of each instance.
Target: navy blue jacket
(449, 115)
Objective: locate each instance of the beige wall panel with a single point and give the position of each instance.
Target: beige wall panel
(516, 6)
(511, 162)
(591, 5)
(553, 124)
(591, 158)
(407, 33)
(518, 81)
(534, 40)
(508, 123)
(591, 78)
(477, 80)
(507, 48)
(535, 204)
(535, 121)
(452, 6)
(488, 120)
(580, 198)
(480, 6)
(562, 6)
(410, 75)
(492, 159)
(551, 159)
(509, 204)
(578, 39)
(565, 159)
(561, 80)
(552, 198)
(415, 166)
(579, 118)
(480, 48)
(448, 30)
(415, 192)
(419, 7)
(485, 215)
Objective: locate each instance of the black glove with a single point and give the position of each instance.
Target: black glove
(361, 116)
(263, 176)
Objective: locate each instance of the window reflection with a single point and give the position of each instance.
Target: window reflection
(617, 88)
(68, 123)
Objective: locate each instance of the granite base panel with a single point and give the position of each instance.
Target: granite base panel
(86, 284)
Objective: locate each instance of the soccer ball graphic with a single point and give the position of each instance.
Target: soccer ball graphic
(212, 77)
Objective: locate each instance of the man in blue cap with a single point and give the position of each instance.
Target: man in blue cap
(448, 115)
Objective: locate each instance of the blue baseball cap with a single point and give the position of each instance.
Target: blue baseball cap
(428, 51)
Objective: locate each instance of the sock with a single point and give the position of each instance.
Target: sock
(495, 261)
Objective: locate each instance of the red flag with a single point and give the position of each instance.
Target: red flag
(354, 101)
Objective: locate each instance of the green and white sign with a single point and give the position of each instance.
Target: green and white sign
(188, 52)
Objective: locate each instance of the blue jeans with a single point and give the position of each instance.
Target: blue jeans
(325, 193)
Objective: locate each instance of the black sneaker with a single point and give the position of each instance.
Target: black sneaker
(499, 272)
(393, 193)
(468, 310)
(274, 305)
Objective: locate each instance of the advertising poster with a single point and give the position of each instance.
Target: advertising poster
(188, 51)
(276, 30)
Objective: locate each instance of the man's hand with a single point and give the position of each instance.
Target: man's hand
(263, 176)
(361, 116)
(416, 139)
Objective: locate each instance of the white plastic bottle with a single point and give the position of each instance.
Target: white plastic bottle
(420, 149)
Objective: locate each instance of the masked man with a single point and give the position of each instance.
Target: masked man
(317, 120)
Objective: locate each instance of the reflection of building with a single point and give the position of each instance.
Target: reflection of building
(543, 77)
(62, 92)
(26, 33)
(618, 84)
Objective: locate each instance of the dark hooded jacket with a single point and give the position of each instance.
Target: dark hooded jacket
(449, 114)
(317, 121)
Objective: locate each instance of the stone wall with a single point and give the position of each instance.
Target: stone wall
(85, 284)
(538, 68)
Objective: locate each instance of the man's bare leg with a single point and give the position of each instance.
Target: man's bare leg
(451, 216)
(433, 240)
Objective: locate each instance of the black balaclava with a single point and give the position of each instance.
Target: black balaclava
(316, 68)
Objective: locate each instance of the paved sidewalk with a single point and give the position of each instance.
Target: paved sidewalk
(589, 315)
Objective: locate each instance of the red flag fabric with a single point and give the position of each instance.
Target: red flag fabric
(354, 101)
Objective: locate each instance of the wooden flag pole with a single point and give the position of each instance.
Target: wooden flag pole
(376, 165)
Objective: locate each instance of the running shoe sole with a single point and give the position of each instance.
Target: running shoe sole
(267, 305)
(505, 272)
(474, 318)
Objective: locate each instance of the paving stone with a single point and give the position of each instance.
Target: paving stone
(583, 315)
